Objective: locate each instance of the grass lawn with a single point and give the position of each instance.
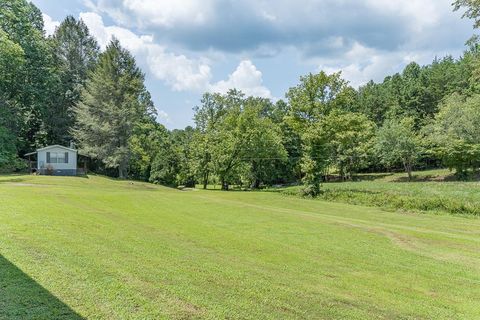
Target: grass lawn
(433, 191)
(77, 248)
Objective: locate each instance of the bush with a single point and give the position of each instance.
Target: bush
(311, 190)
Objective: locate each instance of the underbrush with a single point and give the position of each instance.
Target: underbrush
(404, 202)
(439, 197)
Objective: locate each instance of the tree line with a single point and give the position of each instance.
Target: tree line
(63, 88)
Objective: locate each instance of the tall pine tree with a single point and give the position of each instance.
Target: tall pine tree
(76, 53)
(113, 104)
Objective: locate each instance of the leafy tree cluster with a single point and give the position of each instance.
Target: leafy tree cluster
(236, 141)
(62, 89)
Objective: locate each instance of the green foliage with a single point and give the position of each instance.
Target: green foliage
(245, 136)
(393, 193)
(8, 151)
(472, 10)
(208, 118)
(373, 101)
(456, 133)
(397, 142)
(315, 159)
(315, 97)
(173, 164)
(165, 165)
(76, 53)
(29, 80)
(311, 103)
(114, 104)
(145, 143)
(58, 88)
(351, 138)
(236, 140)
(12, 61)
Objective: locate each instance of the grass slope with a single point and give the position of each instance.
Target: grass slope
(76, 248)
(433, 191)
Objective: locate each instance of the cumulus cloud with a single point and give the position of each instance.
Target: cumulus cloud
(180, 72)
(104, 34)
(170, 13)
(364, 38)
(246, 78)
(229, 25)
(360, 64)
(163, 117)
(49, 24)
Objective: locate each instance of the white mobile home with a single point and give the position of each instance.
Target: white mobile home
(54, 160)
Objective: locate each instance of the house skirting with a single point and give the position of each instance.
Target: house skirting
(59, 172)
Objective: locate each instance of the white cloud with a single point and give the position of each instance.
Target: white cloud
(169, 13)
(163, 117)
(165, 13)
(420, 13)
(246, 78)
(364, 38)
(49, 24)
(104, 33)
(180, 72)
(360, 64)
(177, 70)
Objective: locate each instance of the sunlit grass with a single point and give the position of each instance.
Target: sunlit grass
(109, 249)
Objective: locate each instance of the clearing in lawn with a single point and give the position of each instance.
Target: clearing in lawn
(97, 248)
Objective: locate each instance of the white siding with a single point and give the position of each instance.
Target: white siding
(42, 159)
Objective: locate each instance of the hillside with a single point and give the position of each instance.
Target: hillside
(433, 191)
(77, 248)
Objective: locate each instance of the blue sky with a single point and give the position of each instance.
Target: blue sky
(187, 47)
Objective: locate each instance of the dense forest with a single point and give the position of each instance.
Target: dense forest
(63, 88)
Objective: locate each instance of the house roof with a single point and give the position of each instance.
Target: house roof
(56, 146)
(50, 147)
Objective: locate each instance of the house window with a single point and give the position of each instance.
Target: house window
(57, 157)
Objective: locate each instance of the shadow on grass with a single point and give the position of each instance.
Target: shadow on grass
(82, 176)
(21, 297)
(12, 180)
(371, 177)
(433, 178)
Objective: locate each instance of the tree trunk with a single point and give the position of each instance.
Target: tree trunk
(224, 185)
(205, 181)
(342, 173)
(408, 169)
(122, 171)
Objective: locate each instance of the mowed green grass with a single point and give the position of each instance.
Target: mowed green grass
(96, 248)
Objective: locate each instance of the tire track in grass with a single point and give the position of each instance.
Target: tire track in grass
(388, 230)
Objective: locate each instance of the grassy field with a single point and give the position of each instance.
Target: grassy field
(78, 248)
(432, 191)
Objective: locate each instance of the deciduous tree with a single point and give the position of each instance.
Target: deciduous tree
(397, 142)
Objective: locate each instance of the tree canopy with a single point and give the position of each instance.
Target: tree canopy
(64, 88)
